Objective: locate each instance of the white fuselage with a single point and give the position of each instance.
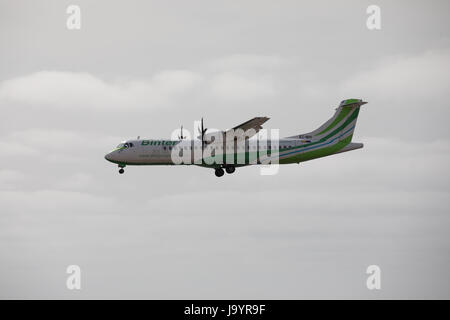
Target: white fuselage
(166, 152)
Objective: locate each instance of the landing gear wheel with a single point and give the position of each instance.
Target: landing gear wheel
(230, 169)
(121, 171)
(219, 172)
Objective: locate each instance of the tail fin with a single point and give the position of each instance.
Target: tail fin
(341, 125)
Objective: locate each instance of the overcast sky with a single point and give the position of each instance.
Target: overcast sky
(67, 97)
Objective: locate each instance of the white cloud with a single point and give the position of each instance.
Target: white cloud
(244, 76)
(55, 146)
(235, 77)
(421, 79)
(60, 89)
(48, 138)
(8, 178)
(232, 86)
(176, 81)
(77, 181)
(12, 148)
(238, 62)
(374, 195)
(54, 202)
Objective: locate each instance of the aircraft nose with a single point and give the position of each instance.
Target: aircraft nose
(108, 156)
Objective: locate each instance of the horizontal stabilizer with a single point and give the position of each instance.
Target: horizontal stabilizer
(351, 146)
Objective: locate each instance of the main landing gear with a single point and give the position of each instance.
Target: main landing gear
(230, 169)
(121, 171)
(220, 172)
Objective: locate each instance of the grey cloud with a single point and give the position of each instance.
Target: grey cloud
(416, 81)
(228, 86)
(144, 68)
(84, 91)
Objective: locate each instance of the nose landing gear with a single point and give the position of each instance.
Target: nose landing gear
(121, 171)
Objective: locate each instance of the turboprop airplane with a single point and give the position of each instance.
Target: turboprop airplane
(242, 145)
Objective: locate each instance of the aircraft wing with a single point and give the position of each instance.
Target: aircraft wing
(255, 124)
(244, 130)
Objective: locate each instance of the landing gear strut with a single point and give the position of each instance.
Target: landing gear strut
(219, 172)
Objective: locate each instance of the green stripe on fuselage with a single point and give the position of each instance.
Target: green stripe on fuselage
(352, 117)
(300, 157)
(344, 112)
(321, 152)
(318, 152)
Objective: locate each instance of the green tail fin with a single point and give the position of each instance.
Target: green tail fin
(341, 124)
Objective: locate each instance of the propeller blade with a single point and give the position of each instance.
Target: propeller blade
(203, 135)
(203, 128)
(181, 136)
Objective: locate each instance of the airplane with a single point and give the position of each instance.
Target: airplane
(237, 147)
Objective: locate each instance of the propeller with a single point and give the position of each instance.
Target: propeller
(181, 135)
(202, 131)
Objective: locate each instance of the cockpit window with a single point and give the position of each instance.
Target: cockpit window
(125, 145)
